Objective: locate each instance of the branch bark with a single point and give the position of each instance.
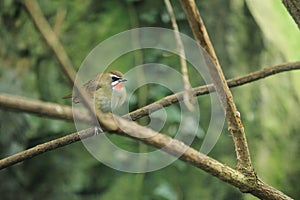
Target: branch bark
(57, 111)
(46, 109)
(293, 6)
(232, 115)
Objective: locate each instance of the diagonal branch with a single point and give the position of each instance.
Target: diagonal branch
(57, 111)
(56, 47)
(143, 134)
(172, 146)
(232, 115)
(50, 37)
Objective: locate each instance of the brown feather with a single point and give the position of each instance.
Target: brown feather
(68, 96)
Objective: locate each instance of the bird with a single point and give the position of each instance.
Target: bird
(106, 89)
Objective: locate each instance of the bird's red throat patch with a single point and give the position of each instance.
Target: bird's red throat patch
(119, 86)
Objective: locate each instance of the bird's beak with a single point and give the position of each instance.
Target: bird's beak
(123, 79)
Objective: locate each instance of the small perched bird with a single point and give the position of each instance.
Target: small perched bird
(106, 89)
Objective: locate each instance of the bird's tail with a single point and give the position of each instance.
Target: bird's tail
(75, 99)
(68, 96)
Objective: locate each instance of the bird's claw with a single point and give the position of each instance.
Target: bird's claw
(97, 130)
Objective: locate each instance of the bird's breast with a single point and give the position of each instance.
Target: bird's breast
(107, 101)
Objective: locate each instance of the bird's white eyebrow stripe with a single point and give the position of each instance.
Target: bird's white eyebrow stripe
(113, 75)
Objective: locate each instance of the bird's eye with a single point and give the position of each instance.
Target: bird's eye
(115, 78)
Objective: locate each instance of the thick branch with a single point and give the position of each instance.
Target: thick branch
(57, 111)
(234, 122)
(21, 104)
(174, 147)
(293, 6)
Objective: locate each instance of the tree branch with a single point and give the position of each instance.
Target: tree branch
(57, 111)
(293, 6)
(46, 109)
(53, 43)
(42, 148)
(174, 147)
(50, 37)
(233, 119)
(202, 90)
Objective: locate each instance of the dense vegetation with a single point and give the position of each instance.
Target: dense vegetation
(243, 40)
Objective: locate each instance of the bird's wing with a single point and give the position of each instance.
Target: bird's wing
(92, 85)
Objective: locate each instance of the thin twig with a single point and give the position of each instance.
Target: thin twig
(142, 92)
(188, 96)
(57, 111)
(59, 20)
(45, 147)
(233, 119)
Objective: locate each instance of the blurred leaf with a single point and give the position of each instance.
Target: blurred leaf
(165, 191)
(278, 26)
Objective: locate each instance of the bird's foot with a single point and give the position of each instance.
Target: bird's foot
(97, 130)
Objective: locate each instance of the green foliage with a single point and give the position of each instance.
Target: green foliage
(269, 108)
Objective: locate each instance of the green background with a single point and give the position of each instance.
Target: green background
(247, 36)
